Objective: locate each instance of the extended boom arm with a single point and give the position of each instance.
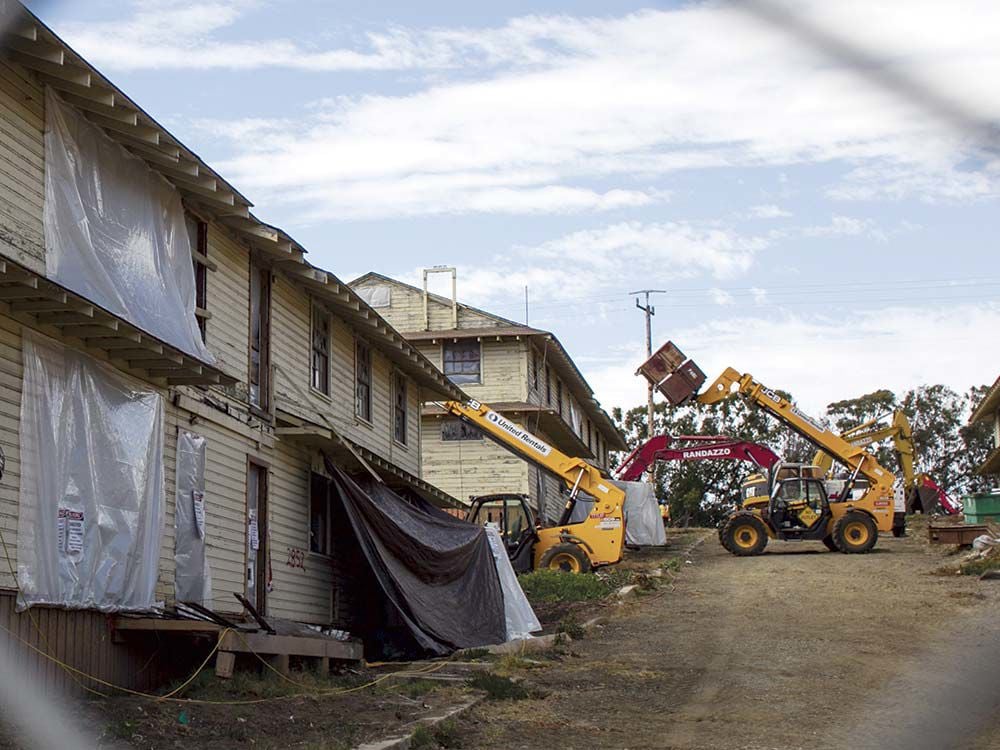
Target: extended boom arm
(693, 448)
(856, 458)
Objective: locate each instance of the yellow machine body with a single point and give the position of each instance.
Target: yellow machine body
(600, 537)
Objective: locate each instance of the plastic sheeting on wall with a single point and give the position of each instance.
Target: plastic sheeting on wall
(90, 521)
(521, 619)
(643, 522)
(115, 230)
(379, 295)
(192, 577)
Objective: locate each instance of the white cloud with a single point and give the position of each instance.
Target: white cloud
(604, 259)
(721, 297)
(768, 211)
(820, 359)
(540, 108)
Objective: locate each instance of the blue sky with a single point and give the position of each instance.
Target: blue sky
(824, 220)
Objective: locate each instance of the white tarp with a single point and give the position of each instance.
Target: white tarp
(90, 521)
(521, 619)
(115, 231)
(643, 522)
(379, 295)
(192, 577)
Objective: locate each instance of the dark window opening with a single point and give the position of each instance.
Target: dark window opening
(260, 337)
(320, 530)
(548, 385)
(462, 360)
(456, 429)
(198, 237)
(321, 350)
(363, 380)
(399, 408)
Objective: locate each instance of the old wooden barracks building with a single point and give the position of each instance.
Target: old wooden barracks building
(522, 372)
(290, 364)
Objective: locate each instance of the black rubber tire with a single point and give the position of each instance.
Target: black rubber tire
(565, 550)
(745, 535)
(847, 536)
(828, 542)
(722, 538)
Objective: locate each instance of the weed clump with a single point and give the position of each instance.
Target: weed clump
(551, 586)
(497, 687)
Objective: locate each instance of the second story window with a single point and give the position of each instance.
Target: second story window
(534, 369)
(260, 337)
(320, 350)
(198, 237)
(559, 397)
(399, 408)
(363, 380)
(462, 361)
(548, 385)
(456, 429)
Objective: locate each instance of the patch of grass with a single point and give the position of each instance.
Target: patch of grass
(447, 735)
(472, 654)
(571, 626)
(980, 566)
(267, 684)
(409, 688)
(497, 687)
(672, 565)
(423, 739)
(550, 586)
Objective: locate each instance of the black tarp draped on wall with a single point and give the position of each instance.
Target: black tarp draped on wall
(436, 571)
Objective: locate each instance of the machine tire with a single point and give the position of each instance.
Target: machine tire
(855, 533)
(829, 544)
(567, 557)
(744, 535)
(722, 538)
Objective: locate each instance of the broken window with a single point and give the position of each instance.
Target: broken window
(260, 337)
(198, 236)
(321, 350)
(461, 361)
(456, 429)
(363, 380)
(399, 409)
(320, 527)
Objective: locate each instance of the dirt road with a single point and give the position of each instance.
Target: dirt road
(798, 648)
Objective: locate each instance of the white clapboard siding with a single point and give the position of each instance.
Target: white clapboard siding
(228, 298)
(469, 467)
(22, 168)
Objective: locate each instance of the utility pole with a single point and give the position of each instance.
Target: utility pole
(650, 312)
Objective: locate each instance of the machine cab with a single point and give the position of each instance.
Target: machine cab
(799, 504)
(512, 517)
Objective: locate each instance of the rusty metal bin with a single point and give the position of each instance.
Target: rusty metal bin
(681, 385)
(664, 361)
(963, 534)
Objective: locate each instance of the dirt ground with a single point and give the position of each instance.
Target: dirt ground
(798, 648)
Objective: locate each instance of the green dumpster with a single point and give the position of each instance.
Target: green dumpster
(982, 507)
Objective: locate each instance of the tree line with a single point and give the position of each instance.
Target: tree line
(701, 493)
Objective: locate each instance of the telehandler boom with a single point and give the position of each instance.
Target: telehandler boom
(920, 490)
(572, 547)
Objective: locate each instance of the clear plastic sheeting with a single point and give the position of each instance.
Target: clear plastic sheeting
(115, 231)
(520, 617)
(643, 522)
(379, 295)
(90, 521)
(192, 577)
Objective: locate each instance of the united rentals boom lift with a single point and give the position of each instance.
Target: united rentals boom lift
(921, 492)
(571, 547)
(798, 508)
